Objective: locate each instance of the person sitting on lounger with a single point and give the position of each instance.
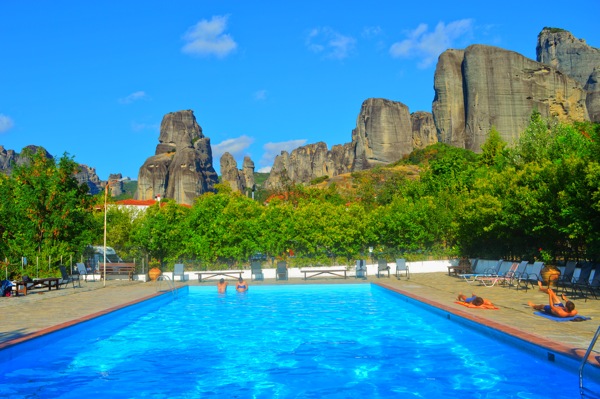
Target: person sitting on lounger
(555, 307)
(241, 286)
(222, 286)
(474, 300)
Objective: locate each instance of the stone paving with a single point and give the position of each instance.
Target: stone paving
(41, 311)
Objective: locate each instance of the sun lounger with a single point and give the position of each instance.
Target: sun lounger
(402, 268)
(82, 270)
(282, 271)
(480, 270)
(502, 276)
(179, 270)
(67, 278)
(382, 267)
(256, 271)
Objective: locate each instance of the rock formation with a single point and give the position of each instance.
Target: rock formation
(384, 133)
(8, 158)
(182, 167)
(498, 88)
(87, 175)
(239, 180)
(575, 58)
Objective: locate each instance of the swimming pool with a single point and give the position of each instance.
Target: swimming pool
(334, 341)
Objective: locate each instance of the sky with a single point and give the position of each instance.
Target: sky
(93, 79)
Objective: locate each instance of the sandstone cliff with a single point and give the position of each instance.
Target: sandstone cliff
(239, 180)
(498, 88)
(182, 167)
(575, 58)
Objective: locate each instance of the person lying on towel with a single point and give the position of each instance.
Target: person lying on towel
(555, 307)
(475, 301)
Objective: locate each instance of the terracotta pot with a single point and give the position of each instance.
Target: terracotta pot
(550, 275)
(154, 273)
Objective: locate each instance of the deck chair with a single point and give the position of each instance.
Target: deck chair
(402, 267)
(566, 277)
(582, 282)
(594, 286)
(82, 271)
(519, 277)
(256, 270)
(480, 270)
(67, 278)
(281, 273)
(382, 267)
(532, 274)
(179, 270)
(361, 268)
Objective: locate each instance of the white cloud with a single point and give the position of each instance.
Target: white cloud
(236, 147)
(265, 169)
(135, 96)
(429, 45)
(370, 32)
(260, 95)
(208, 38)
(330, 43)
(274, 149)
(6, 123)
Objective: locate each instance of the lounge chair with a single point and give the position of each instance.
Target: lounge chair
(256, 270)
(361, 268)
(179, 270)
(282, 272)
(566, 277)
(582, 282)
(402, 267)
(480, 270)
(382, 267)
(501, 276)
(67, 278)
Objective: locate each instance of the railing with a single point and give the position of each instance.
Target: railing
(586, 393)
(169, 282)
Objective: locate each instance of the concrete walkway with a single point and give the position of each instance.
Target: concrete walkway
(43, 311)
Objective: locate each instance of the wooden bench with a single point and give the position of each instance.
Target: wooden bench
(117, 269)
(224, 273)
(36, 283)
(317, 272)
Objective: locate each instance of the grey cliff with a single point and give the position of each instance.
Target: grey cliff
(182, 167)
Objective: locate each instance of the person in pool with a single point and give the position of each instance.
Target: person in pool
(474, 300)
(241, 286)
(222, 286)
(555, 307)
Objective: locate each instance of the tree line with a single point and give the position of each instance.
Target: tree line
(512, 200)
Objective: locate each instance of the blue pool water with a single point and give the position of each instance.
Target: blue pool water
(321, 341)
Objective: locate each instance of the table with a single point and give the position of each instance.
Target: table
(316, 272)
(44, 282)
(225, 273)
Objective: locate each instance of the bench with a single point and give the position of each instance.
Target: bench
(117, 269)
(224, 273)
(459, 269)
(317, 272)
(36, 283)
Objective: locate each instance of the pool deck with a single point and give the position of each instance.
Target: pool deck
(42, 311)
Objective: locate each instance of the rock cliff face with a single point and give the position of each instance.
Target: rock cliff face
(239, 180)
(498, 88)
(384, 133)
(575, 58)
(87, 175)
(182, 167)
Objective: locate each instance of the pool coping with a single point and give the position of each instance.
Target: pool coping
(49, 330)
(576, 354)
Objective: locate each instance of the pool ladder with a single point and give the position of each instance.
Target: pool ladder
(168, 281)
(587, 393)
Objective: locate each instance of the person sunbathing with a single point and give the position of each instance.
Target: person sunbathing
(555, 307)
(474, 300)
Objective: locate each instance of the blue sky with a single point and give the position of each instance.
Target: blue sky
(94, 79)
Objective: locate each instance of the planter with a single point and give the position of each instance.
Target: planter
(550, 275)
(154, 273)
